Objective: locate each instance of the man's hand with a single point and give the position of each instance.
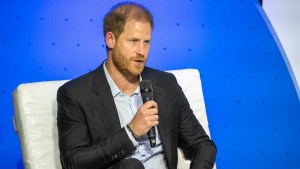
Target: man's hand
(145, 118)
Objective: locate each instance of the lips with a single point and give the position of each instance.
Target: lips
(139, 59)
(139, 62)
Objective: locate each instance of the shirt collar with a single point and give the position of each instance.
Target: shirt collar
(114, 88)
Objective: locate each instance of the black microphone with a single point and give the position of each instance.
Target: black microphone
(147, 94)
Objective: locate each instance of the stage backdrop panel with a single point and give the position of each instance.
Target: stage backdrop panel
(252, 105)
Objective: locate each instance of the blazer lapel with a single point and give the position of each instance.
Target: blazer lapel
(104, 102)
(163, 127)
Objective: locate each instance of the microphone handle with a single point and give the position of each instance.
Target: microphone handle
(152, 137)
(152, 132)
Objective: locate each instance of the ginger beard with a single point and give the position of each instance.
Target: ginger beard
(128, 66)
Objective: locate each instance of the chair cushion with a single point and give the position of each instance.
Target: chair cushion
(35, 121)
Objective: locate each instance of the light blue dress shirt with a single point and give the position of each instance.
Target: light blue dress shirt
(127, 106)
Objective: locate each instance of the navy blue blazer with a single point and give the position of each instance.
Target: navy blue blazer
(90, 135)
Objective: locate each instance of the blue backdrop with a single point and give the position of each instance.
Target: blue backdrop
(252, 105)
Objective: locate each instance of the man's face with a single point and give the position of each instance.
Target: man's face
(131, 50)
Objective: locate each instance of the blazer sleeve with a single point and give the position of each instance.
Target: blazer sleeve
(78, 150)
(193, 140)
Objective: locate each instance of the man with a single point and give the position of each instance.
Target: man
(102, 120)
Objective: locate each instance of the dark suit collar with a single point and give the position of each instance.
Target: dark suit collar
(99, 80)
(104, 102)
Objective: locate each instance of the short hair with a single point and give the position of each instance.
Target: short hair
(116, 18)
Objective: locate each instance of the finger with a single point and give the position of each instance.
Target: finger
(153, 118)
(150, 104)
(151, 123)
(153, 111)
(155, 123)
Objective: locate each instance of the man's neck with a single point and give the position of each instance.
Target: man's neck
(127, 84)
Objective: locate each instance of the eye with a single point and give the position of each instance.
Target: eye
(147, 42)
(134, 41)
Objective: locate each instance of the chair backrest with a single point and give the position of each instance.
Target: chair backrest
(35, 111)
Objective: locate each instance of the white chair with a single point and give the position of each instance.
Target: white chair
(35, 110)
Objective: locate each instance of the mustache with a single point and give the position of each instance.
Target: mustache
(139, 58)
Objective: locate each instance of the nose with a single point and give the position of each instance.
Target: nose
(142, 49)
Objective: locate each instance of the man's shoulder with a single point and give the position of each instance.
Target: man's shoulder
(148, 71)
(82, 82)
(158, 75)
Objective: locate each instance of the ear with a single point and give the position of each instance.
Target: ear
(110, 40)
